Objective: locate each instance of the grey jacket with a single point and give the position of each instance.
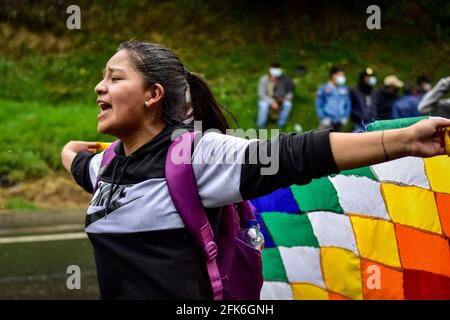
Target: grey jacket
(432, 103)
(283, 88)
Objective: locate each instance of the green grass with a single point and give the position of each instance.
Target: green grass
(34, 133)
(47, 95)
(19, 203)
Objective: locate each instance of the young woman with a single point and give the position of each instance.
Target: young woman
(141, 246)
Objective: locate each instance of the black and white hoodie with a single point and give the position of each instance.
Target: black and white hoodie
(141, 247)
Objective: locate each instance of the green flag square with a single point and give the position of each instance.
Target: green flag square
(319, 195)
(273, 268)
(290, 230)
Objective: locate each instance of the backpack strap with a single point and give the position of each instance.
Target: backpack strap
(183, 190)
(108, 156)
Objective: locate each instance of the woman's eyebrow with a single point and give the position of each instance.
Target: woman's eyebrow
(111, 69)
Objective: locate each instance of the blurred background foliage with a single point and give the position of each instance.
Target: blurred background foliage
(48, 72)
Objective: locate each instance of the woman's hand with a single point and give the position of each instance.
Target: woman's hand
(426, 137)
(72, 148)
(355, 150)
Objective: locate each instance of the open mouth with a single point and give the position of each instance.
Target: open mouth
(104, 105)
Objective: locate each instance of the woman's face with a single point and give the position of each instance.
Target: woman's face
(121, 96)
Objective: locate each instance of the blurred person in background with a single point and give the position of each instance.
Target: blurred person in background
(333, 101)
(423, 84)
(432, 102)
(385, 97)
(275, 93)
(406, 106)
(361, 96)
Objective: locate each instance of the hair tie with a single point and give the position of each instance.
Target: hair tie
(188, 94)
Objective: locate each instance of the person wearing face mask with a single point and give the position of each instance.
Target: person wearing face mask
(275, 93)
(432, 102)
(333, 101)
(385, 97)
(363, 108)
(406, 106)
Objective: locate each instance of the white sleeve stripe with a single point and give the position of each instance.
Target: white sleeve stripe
(94, 167)
(217, 161)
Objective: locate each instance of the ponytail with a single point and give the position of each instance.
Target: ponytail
(205, 106)
(158, 64)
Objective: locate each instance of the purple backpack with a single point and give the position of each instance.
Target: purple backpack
(234, 268)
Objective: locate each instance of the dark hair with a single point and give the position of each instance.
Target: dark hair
(300, 70)
(158, 64)
(335, 70)
(423, 78)
(275, 65)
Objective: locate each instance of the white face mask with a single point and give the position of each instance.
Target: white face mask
(373, 81)
(275, 72)
(340, 80)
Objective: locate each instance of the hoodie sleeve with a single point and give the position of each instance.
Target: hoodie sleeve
(229, 169)
(432, 98)
(85, 168)
(320, 102)
(348, 105)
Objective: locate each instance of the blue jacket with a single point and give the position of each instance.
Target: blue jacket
(333, 102)
(406, 106)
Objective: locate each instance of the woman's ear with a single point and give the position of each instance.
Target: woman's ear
(155, 94)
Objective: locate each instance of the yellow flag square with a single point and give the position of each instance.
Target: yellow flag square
(412, 206)
(304, 291)
(438, 172)
(342, 272)
(376, 240)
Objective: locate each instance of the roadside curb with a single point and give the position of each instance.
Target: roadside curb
(41, 221)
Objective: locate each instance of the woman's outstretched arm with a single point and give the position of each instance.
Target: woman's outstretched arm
(72, 148)
(423, 139)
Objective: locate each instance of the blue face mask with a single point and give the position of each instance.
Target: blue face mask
(373, 81)
(340, 80)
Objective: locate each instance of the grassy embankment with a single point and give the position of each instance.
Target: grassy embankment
(47, 81)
